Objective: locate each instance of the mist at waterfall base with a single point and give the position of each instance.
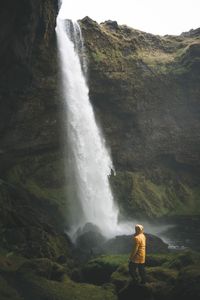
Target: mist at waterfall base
(89, 162)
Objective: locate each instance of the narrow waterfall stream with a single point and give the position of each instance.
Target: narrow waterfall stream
(90, 162)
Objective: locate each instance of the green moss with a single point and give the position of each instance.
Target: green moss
(162, 274)
(55, 194)
(121, 276)
(187, 284)
(176, 261)
(140, 194)
(163, 278)
(41, 278)
(182, 260)
(44, 279)
(67, 290)
(29, 225)
(99, 270)
(155, 260)
(167, 57)
(111, 260)
(41, 175)
(98, 56)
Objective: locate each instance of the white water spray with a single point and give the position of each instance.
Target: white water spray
(89, 162)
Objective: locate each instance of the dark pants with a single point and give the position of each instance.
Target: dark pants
(134, 269)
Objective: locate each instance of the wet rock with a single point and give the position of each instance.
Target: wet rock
(124, 244)
(89, 239)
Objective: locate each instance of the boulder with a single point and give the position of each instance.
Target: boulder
(89, 238)
(123, 244)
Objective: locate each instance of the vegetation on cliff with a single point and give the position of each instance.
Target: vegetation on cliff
(146, 94)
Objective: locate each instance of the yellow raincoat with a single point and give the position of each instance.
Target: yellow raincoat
(138, 252)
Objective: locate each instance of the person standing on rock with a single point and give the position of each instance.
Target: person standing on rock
(137, 256)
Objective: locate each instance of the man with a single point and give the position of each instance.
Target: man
(137, 256)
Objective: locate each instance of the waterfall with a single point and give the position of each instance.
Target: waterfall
(90, 198)
(89, 160)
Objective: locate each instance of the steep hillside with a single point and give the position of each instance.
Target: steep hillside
(145, 89)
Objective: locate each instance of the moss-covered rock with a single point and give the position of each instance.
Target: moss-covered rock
(99, 270)
(182, 260)
(42, 279)
(120, 278)
(29, 225)
(187, 284)
(162, 274)
(154, 194)
(155, 260)
(164, 280)
(43, 267)
(43, 176)
(25, 279)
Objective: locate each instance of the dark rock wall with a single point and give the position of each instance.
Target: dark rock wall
(27, 74)
(145, 90)
(32, 196)
(156, 110)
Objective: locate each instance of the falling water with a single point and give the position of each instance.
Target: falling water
(90, 163)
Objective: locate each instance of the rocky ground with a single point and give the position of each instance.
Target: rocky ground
(169, 276)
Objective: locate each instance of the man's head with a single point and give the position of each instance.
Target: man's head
(139, 228)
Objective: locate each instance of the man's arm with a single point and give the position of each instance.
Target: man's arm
(135, 248)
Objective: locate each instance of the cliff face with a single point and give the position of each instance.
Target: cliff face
(145, 90)
(32, 178)
(27, 74)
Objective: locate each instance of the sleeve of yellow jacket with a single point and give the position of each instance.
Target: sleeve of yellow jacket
(135, 247)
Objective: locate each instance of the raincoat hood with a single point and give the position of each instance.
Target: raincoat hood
(139, 228)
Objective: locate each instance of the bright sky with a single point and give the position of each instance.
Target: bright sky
(154, 16)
